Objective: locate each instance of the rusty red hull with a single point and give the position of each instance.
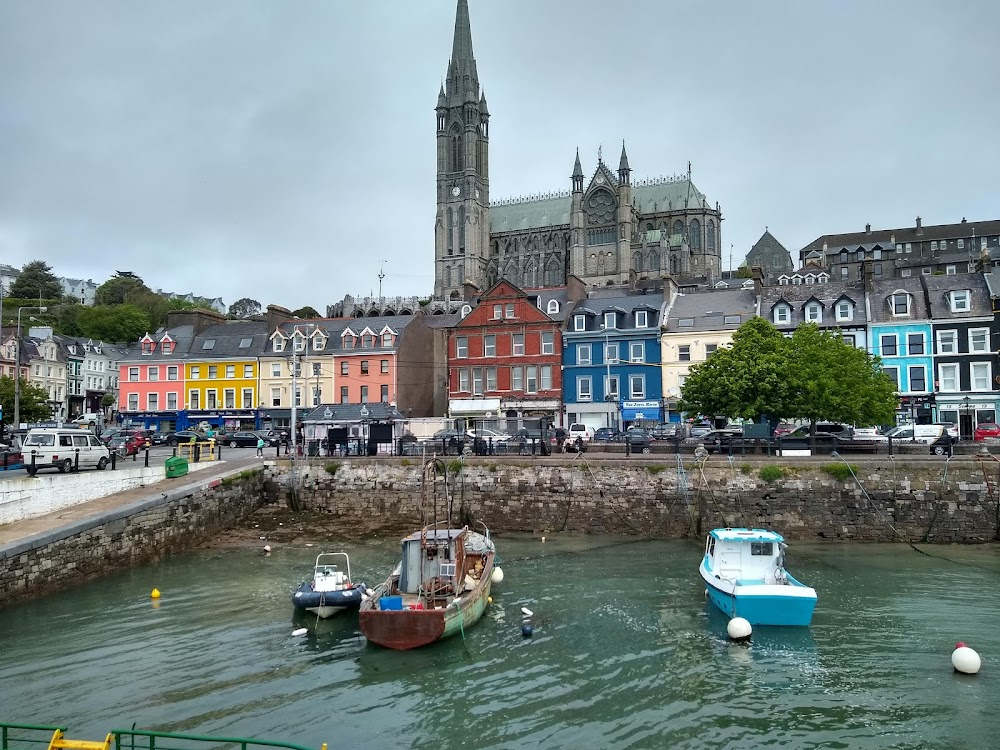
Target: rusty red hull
(403, 630)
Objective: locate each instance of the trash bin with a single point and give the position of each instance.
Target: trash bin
(176, 466)
(314, 447)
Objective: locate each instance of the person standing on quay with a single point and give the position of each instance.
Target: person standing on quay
(260, 447)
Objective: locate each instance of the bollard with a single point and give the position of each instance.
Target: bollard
(32, 459)
(76, 459)
(277, 450)
(114, 459)
(147, 457)
(220, 452)
(135, 455)
(174, 452)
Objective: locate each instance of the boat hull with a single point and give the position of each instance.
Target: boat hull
(326, 603)
(763, 604)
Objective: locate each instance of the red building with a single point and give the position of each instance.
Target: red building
(505, 357)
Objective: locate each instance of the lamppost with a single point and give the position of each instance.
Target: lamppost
(17, 363)
(364, 427)
(607, 377)
(967, 408)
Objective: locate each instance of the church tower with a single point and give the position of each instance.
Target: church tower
(462, 225)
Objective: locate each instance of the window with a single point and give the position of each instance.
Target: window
(213, 372)
(814, 313)
(518, 344)
(247, 371)
(980, 372)
(900, 304)
(133, 373)
(611, 353)
(509, 311)
(229, 398)
(298, 343)
(317, 395)
(278, 344)
(384, 394)
(172, 401)
(298, 396)
(531, 379)
(579, 322)
(641, 318)
(926, 271)
(960, 301)
(947, 342)
(762, 549)
(949, 270)
(845, 310)
(384, 366)
(888, 345)
(710, 349)
(583, 392)
(490, 346)
(364, 394)
(387, 339)
(230, 371)
(979, 340)
(211, 399)
(152, 374)
(918, 379)
(934, 246)
(637, 386)
(583, 354)
(961, 244)
(461, 347)
(245, 343)
(848, 339)
(276, 369)
(347, 340)
(133, 402)
(364, 367)
(368, 341)
(147, 347)
(915, 343)
(684, 353)
(517, 378)
(275, 397)
(466, 309)
(491, 379)
(477, 381)
(906, 272)
(610, 320)
(208, 344)
(552, 307)
(844, 273)
(172, 372)
(463, 380)
(877, 270)
(948, 378)
(344, 398)
(345, 367)
(194, 398)
(893, 373)
(611, 387)
(548, 342)
(685, 323)
(781, 314)
(545, 377)
(636, 351)
(497, 312)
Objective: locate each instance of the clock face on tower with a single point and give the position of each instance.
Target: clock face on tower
(456, 191)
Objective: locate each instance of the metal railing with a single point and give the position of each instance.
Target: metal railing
(20, 736)
(30, 736)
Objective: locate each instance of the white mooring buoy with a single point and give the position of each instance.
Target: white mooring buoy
(497, 576)
(299, 632)
(965, 659)
(739, 629)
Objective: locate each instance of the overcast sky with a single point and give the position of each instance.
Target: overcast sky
(281, 150)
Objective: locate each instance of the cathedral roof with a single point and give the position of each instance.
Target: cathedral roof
(667, 194)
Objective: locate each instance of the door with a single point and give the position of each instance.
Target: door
(81, 445)
(965, 426)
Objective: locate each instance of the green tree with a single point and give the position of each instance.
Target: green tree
(244, 308)
(34, 401)
(744, 273)
(119, 323)
(836, 382)
(123, 287)
(35, 281)
(306, 312)
(747, 380)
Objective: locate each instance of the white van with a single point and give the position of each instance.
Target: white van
(934, 435)
(58, 449)
(579, 430)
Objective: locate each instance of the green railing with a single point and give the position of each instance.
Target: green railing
(15, 736)
(140, 739)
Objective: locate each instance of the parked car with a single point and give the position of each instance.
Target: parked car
(868, 434)
(62, 449)
(700, 430)
(638, 440)
(182, 436)
(271, 437)
(783, 429)
(124, 445)
(485, 433)
(579, 430)
(238, 439)
(89, 419)
(605, 434)
(986, 430)
(664, 432)
(720, 439)
(952, 429)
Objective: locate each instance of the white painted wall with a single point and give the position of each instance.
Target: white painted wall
(30, 497)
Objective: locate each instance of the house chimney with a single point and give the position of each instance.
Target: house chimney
(576, 290)
(469, 291)
(757, 274)
(920, 230)
(276, 315)
(868, 228)
(868, 274)
(963, 219)
(198, 319)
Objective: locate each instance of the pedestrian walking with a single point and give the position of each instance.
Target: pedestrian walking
(260, 447)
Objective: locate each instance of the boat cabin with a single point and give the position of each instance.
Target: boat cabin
(746, 556)
(433, 561)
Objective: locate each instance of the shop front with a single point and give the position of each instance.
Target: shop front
(481, 411)
(642, 412)
(916, 410)
(226, 420)
(160, 421)
(966, 411)
(518, 414)
(277, 419)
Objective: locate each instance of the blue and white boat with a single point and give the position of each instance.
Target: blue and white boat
(745, 576)
(331, 590)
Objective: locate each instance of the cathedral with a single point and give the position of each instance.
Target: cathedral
(605, 230)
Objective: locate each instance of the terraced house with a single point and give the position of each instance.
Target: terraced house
(221, 375)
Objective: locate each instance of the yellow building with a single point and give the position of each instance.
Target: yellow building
(222, 374)
(695, 326)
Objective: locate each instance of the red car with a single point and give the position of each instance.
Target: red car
(986, 430)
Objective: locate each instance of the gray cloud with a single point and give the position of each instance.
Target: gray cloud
(281, 150)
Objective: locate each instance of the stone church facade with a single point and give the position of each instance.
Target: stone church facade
(604, 230)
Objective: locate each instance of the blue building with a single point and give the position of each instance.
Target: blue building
(611, 359)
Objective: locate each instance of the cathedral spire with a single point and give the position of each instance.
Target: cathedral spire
(463, 79)
(577, 173)
(623, 168)
(461, 48)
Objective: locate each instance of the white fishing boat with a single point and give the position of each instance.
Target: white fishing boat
(745, 576)
(331, 590)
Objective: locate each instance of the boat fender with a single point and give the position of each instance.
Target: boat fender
(739, 629)
(527, 630)
(497, 575)
(965, 659)
(527, 612)
(298, 632)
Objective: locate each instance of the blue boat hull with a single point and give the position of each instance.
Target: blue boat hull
(327, 602)
(763, 609)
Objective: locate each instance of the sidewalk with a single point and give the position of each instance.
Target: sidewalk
(30, 527)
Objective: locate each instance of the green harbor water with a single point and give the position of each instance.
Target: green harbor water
(626, 653)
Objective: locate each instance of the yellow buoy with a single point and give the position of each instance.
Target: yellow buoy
(489, 599)
(155, 594)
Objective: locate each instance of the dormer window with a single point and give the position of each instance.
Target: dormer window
(147, 347)
(782, 314)
(814, 312)
(387, 340)
(347, 340)
(641, 318)
(610, 320)
(552, 307)
(167, 347)
(579, 322)
(298, 342)
(960, 301)
(845, 310)
(279, 343)
(900, 304)
(319, 342)
(466, 309)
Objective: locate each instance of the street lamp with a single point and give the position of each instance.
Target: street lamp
(364, 431)
(17, 363)
(607, 377)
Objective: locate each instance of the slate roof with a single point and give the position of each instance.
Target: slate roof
(796, 295)
(599, 302)
(227, 337)
(938, 287)
(992, 280)
(766, 249)
(709, 310)
(885, 237)
(334, 329)
(545, 295)
(377, 412)
(883, 289)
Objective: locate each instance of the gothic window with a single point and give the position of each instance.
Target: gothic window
(531, 275)
(510, 273)
(711, 235)
(552, 274)
(450, 232)
(457, 164)
(461, 229)
(479, 155)
(654, 261)
(679, 230)
(637, 262)
(673, 265)
(695, 234)
(447, 276)
(491, 274)
(601, 206)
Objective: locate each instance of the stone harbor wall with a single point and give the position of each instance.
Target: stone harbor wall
(931, 501)
(141, 531)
